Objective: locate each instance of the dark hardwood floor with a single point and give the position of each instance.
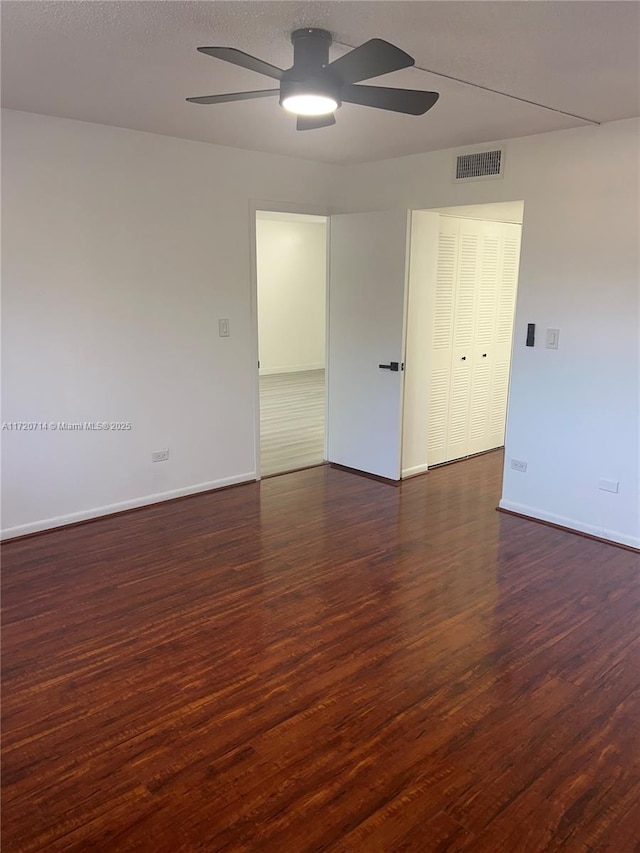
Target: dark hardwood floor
(322, 662)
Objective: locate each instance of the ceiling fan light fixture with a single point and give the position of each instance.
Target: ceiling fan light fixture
(309, 104)
(314, 88)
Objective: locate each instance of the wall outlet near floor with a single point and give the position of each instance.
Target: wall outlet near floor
(160, 455)
(518, 465)
(609, 486)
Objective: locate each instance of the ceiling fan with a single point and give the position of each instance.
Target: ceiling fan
(313, 88)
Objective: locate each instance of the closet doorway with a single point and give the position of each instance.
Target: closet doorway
(464, 265)
(291, 273)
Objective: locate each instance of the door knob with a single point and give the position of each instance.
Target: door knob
(393, 365)
(484, 355)
(464, 358)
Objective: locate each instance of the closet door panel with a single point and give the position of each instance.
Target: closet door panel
(484, 338)
(469, 250)
(438, 420)
(442, 337)
(479, 394)
(458, 432)
(488, 287)
(466, 296)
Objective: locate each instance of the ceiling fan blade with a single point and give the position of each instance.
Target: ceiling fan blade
(408, 101)
(371, 59)
(244, 60)
(233, 96)
(313, 122)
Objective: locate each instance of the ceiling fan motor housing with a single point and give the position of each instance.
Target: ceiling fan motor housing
(309, 74)
(310, 48)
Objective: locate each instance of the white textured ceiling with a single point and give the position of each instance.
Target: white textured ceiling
(132, 64)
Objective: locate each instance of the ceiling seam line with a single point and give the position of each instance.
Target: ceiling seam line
(494, 91)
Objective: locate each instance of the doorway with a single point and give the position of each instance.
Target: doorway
(392, 293)
(291, 279)
(462, 294)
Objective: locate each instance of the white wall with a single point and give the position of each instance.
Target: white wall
(292, 283)
(573, 412)
(122, 249)
(120, 252)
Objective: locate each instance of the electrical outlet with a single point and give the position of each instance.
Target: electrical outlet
(518, 465)
(160, 455)
(609, 486)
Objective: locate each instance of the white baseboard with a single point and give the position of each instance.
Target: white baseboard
(98, 512)
(295, 368)
(416, 469)
(571, 524)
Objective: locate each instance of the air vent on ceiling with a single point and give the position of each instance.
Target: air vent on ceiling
(479, 165)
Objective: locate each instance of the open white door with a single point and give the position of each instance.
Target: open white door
(368, 268)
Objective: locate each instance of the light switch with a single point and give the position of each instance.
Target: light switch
(223, 328)
(553, 336)
(531, 334)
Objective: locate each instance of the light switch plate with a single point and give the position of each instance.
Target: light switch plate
(553, 337)
(223, 328)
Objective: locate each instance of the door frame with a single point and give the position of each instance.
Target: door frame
(278, 207)
(442, 211)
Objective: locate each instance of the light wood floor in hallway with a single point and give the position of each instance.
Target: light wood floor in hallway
(291, 421)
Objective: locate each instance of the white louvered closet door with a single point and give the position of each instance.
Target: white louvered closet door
(483, 353)
(464, 323)
(442, 342)
(476, 284)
